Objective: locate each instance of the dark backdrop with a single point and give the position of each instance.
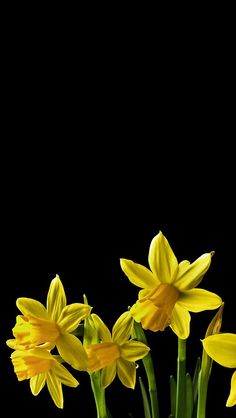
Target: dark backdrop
(82, 238)
(110, 134)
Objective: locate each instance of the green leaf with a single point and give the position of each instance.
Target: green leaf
(146, 407)
(172, 395)
(189, 396)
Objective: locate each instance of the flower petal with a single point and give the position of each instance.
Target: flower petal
(55, 389)
(221, 348)
(37, 383)
(101, 355)
(103, 332)
(126, 371)
(180, 321)
(122, 329)
(133, 350)
(138, 274)
(64, 376)
(146, 313)
(231, 401)
(162, 260)
(31, 307)
(56, 299)
(197, 300)
(72, 351)
(72, 315)
(190, 276)
(108, 374)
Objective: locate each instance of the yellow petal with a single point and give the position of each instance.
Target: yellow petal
(146, 313)
(72, 351)
(138, 274)
(101, 355)
(72, 315)
(108, 374)
(221, 348)
(232, 396)
(126, 371)
(64, 375)
(180, 321)
(183, 266)
(103, 332)
(133, 350)
(55, 389)
(31, 307)
(143, 293)
(162, 260)
(56, 299)
(122, 329)
(37, 383)
(189, 276)
(197, 300)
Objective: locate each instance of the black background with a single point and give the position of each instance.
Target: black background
(83, 245)
(112, 133)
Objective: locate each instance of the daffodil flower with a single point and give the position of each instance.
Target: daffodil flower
(222, 349)
(52, 326)
(116, 354)
(42, 367)
(168, 289)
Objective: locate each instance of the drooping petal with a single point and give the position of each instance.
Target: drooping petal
(31, 307)
(197, 300)
(56, 299)
(190, 276)
(133, 350)
(162, 259)
(72, 315)
(126, 371)
(37, 383)
(103, 332)
(122, 329)
(221, 348)
(231, 401)
(64, 375)
(72, 351)
(55, 389)
(138, 274)
(108, 375)
(180, 321)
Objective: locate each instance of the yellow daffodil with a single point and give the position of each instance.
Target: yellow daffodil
(46, 328)
(41, 367)
(116, 353)
(168, 289)
(222, 349)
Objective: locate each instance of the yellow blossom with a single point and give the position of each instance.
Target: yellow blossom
(116, 353)
(41, 367)
(222, 349)
(52, 326)
(168, 289)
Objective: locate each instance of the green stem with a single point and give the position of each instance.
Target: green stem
(149, 369)
(99, 395)
(203, 380)
(181, 379)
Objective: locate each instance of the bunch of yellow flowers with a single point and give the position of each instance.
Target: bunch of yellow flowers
(47, 337)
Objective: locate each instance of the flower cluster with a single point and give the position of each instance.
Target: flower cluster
(46, 337)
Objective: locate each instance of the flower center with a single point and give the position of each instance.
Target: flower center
(164, 297)
(100, 355)
(31, 331)
(28, 366)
